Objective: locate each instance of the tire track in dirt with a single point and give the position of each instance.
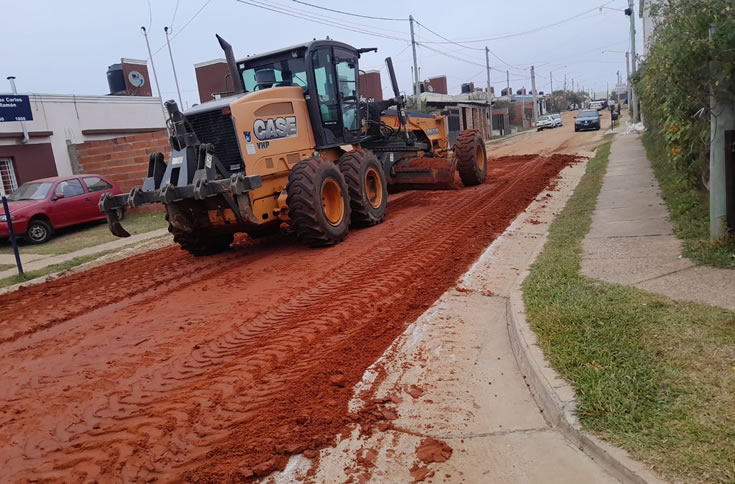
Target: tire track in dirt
(243, 401)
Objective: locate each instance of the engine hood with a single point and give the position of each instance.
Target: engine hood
(215, 105)
(16, 206)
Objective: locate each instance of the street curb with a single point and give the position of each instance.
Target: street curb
(123, 253)
(556, 397)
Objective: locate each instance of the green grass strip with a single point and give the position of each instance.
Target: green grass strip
(652, 375)
(689, 210)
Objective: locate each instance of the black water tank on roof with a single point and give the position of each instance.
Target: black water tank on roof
(116, 79)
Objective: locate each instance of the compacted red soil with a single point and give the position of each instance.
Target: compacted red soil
(169, 367)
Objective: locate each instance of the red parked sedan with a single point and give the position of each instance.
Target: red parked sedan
(39, 207)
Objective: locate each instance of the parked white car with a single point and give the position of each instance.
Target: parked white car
(545, 122)
(557, 120)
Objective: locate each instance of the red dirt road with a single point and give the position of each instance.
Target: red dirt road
(168, 367)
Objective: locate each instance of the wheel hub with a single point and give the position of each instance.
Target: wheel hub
(480, 158)
(373, 188)
(37, 232)
(333, 202)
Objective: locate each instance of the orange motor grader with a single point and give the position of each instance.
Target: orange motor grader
(294, 143)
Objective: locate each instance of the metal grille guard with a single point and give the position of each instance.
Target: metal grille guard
(202, 188)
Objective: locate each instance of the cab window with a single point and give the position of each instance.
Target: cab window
(347, 84)
(326, 89)
(279, 73)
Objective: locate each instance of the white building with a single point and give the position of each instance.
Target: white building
(63, 120)
(644, 11)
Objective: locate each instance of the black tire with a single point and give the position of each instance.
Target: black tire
(576, 130)
(202, 243)
(38, 232)
(467, 149)
(318, 202)
(366, 185)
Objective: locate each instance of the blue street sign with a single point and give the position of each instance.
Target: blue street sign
(14, 107)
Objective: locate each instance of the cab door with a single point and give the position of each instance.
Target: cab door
(348, 93)
(325, 82)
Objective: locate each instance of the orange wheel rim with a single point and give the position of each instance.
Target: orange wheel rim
(333, 202)
(373, 187)
(480, 158)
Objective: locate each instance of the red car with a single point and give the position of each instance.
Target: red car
(39, 207)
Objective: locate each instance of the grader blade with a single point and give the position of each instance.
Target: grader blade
(426, 173)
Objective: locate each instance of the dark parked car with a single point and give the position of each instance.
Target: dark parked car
(39, 207)
(587, 119)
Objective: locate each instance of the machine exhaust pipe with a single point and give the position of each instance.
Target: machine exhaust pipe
(232, 65)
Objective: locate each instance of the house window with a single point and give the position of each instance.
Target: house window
(8, 182)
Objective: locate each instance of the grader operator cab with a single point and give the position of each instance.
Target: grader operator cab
(295, 144)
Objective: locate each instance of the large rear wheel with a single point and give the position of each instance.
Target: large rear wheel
(202, 243)
(471, 157)
(366, 185)
(318, 202)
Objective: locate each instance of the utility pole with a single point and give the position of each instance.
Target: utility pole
(22, 123)
(551, 84)
(155, 77)
(416, 90)
(627, 76)
(523, 110)
(507, 81)
(173, 66)
(633, 99)
(722, 120)
(489, 95)
(533, 92)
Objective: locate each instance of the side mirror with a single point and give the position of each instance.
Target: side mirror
(58, 196)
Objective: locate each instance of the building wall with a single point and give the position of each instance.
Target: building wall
(212, 77)
(123, 159)
(370, 86)
(30, 161)
(130, 65)
(515, 114)
(437, 85)
(474, 117)
(647, 21)
(65, 120)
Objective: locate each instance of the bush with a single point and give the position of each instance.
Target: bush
(675, 80)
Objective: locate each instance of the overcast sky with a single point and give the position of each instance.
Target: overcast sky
(65, 47)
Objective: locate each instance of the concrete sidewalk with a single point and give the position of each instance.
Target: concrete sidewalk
(34, 262)
(632, 242)
(453, 376)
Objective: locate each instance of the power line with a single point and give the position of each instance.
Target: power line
(452, 56)
(317, 20)
(176, 9)
(448, 40)
(150, 15)
(320, 16)
(531, 31)
(350, 14)
(185, 25)
(467, 47)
